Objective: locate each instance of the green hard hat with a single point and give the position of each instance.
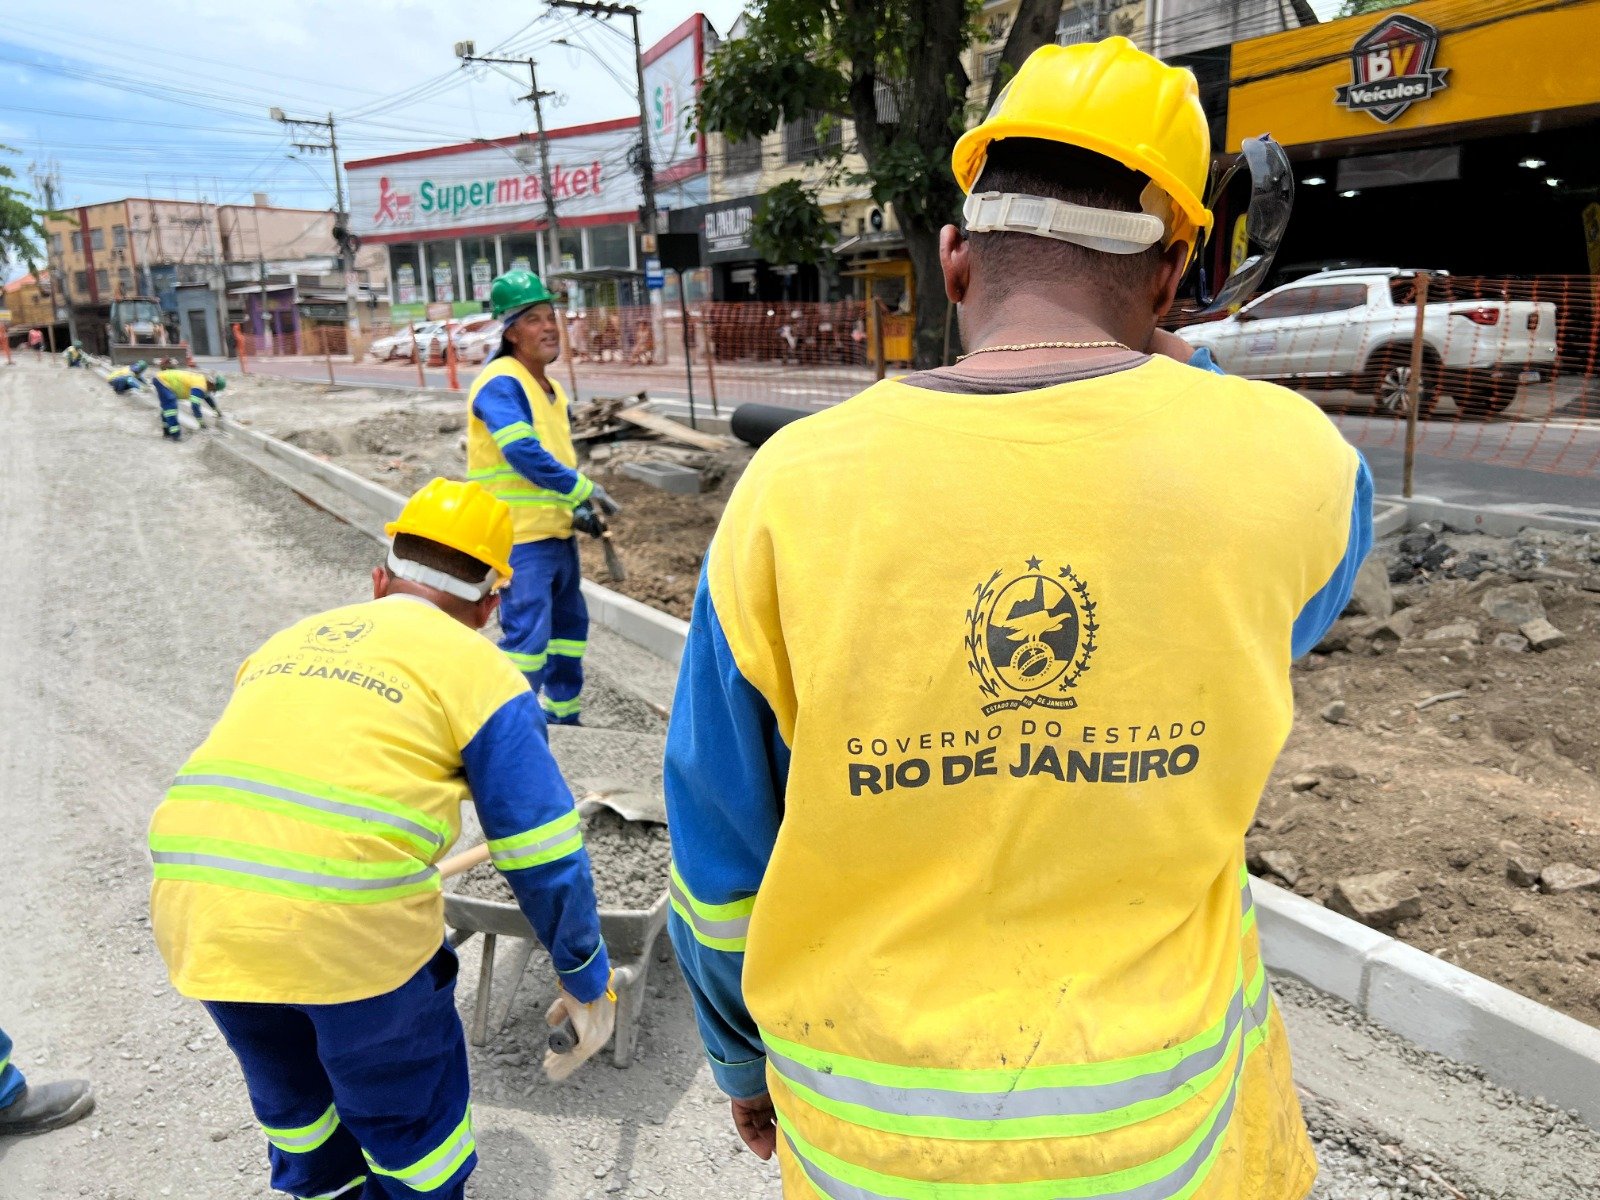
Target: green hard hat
(218, 383)
(77, 345)
(139, 367)
(517, 290)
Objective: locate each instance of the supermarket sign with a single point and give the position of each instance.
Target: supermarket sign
(673, 68)
(494, 185)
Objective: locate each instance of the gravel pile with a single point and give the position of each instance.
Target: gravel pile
(630, 860)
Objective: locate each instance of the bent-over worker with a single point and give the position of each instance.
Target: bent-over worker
(295, 888)
(519, 446)
(129, 378)
(959, 779)
(175, 384)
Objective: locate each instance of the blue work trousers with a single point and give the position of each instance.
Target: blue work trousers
(11, 1080)
(545, 624)
(367, 1100)
(127, 383)
(169, 409)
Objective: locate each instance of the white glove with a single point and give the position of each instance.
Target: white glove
(592, 1022)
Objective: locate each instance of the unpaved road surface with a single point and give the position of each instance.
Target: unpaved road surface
(137, 579)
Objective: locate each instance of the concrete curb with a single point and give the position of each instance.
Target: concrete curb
(1501, 520)
(1516, 1042)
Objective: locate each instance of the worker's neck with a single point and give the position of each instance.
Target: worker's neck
(450, 605)
(535, 367)
(1051, 314)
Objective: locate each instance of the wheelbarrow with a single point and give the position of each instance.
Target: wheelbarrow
(630, 936)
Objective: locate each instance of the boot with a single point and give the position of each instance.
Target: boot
(47, 1107)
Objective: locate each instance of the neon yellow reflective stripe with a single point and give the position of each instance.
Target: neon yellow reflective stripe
(543, 844)
(527, 662)
(285, 873)
(305, 1138)
(998, 1104)
(517, 431)
(1175, 1175)
(268, 790)
(719, 926)
(580, 492)
(434, 1171)
(568, 647)
(485, 474)
(562, 708)
(530, 499)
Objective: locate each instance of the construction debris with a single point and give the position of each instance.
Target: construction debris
(1558, 878)
(1378, 900)
(1542, 635)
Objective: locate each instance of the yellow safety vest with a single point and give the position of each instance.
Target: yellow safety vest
(536, 512)
(1030, 655)
(294, 852)
(183, 383)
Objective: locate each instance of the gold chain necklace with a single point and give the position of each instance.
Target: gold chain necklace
(1100, 345)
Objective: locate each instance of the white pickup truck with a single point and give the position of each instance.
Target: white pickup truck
(1353, 329)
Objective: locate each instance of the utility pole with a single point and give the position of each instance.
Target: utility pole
(647, 173)
(47, 183)
(341, 222)
(465, 51)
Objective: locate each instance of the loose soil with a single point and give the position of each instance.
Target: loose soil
(1432, 792)
(629, 860)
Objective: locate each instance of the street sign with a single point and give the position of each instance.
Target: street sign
(654, 277)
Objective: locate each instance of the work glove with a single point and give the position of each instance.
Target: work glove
(592, 1023)
(602, 500)
(586, 520)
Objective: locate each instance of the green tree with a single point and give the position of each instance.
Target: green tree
(22, 234)
(790, 226)
(893, 68)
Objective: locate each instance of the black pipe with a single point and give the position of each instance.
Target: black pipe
(753, 424)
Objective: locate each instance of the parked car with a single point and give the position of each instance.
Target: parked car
(458, 329)
(477, 345)
(398, 343)
(1354, 329)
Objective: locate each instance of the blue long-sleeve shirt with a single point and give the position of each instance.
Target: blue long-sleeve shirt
(534, 835)
(725, 774)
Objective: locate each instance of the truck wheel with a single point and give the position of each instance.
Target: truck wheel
(1391, 389)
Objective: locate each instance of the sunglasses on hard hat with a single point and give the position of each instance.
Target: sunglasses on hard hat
(1259, 184)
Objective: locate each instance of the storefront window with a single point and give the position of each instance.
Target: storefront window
(608, 246)
(405, 268)
(444, 283)
(479, 253)
(521, 252)
(571, 250)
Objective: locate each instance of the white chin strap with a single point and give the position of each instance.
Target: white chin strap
(1107, 230)
(414, 572)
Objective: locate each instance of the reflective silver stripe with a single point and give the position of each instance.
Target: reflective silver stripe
(244, 866)
(520, 851)
(448, 1164)
(1065, 1101)
(731, 930)
(321, 803)
(1164, 1188)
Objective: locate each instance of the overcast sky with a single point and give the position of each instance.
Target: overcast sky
(171, 98)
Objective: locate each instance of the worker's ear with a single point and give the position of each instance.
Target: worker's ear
(484, 609)
(955, 263)
(1164, 286)
(380, 583)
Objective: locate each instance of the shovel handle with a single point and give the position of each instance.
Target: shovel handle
(464, 861)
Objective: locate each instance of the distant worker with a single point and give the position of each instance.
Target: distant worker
(296, 893)
(173, 385)
(128, 379)
(519, 446)
(36, 343)
(25, 1109)
(75, 356)
(959, 781)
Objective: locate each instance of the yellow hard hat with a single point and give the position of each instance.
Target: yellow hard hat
(1110, 98)
(463, 516)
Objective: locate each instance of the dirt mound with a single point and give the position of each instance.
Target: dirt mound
(1452, 756)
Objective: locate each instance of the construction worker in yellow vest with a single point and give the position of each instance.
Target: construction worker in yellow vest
(174, 385)
(519, 446)
(987, 669)
(296, 893)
